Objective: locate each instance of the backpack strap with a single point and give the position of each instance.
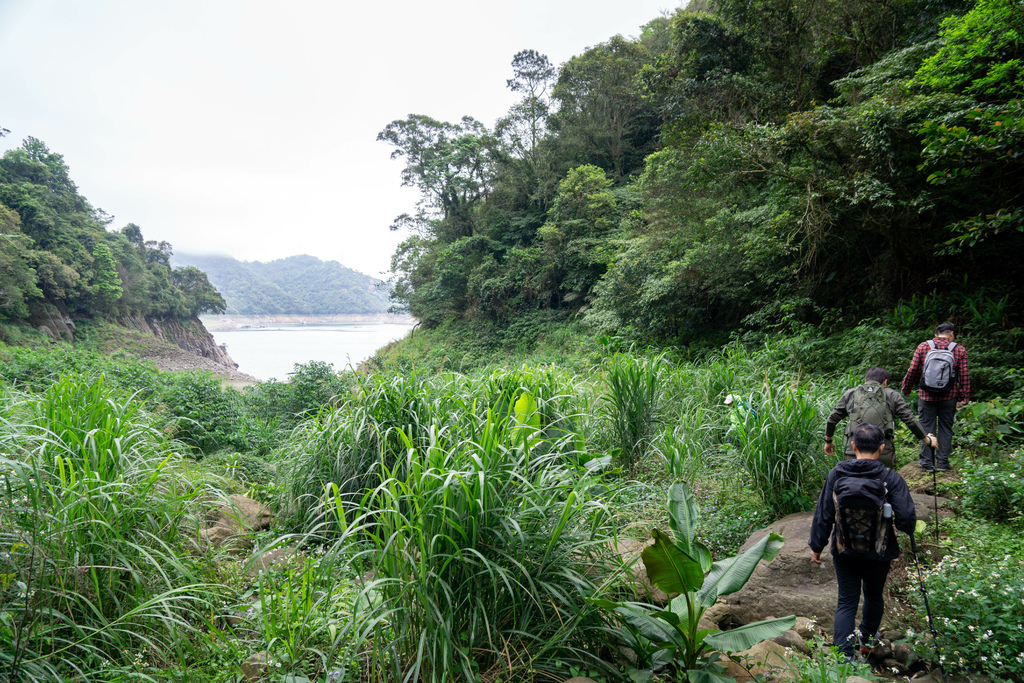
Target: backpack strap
(952, 345)
(931, 345)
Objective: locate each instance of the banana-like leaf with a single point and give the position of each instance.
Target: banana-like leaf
(746, 637)
(679, 607)
(644, 621)
(705, 676)
(640, 675)
(669, 568)
(526, 429)
(729, 575)
(684, 515)
(526, 410)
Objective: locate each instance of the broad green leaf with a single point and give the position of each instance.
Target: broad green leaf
(640, 675)
(526, 410)
(705, 676)
(746, 637)
(679, 607)
(703, 556)
(669, 568)
(684, 515)
(527, 428)
(730, 574)
(663, 657)
(667, 615)
(920, 527)
(643, 621)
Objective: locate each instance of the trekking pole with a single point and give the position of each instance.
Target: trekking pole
(927, 609)
(935, 494)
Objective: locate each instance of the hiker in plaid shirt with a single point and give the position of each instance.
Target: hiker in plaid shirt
(934, 407)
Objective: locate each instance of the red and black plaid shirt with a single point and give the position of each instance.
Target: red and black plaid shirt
(961, 391)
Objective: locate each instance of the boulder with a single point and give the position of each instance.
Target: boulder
(925, 506)
(254, 668)
(233, 521)
(789, 584)
(902, 652)
(792, 640)
(808, 628)
(767, 659)
(629, 553)
(278, 557)
(242, 513)
(920, 481)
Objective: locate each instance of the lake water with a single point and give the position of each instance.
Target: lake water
(272, 351)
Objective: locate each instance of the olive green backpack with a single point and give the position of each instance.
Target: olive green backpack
(867, 404)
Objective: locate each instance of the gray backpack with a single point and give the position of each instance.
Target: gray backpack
(939, 371)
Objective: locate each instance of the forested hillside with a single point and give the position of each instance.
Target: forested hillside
(737, 166)
(302, 285)
(59, 257)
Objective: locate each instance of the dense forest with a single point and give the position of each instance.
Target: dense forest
(57, 249)
(737, 166)
(302, 285)
(642, 293)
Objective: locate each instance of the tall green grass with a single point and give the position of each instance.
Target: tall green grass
(779, 435)
(93, 532)
(632, 400)
(485, 556)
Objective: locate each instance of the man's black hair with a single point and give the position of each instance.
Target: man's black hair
(945, 327)
(867, 437)
(877, 374)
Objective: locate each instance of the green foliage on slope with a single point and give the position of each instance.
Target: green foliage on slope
(55, 248)
(754, 166)
(302, 285)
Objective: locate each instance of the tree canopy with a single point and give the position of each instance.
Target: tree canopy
(56, 248)
(746, 166)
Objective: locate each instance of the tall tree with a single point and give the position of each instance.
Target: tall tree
(448, 163)
(527, 120)
(108, 283)
(602, 118)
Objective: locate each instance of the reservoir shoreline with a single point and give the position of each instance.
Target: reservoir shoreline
(220, 323)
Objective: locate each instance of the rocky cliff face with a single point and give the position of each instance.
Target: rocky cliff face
(53, 321)
(187, 334)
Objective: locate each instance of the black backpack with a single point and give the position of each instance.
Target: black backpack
(861, 528)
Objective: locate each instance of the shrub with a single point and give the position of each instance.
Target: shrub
(778, 433)
(979, 612)
(996, 490)
(203, 414)
(485, 555)
(314, 385)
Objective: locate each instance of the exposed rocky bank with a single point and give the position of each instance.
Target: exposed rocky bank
(171, 343)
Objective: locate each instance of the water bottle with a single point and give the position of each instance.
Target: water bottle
(887, 510)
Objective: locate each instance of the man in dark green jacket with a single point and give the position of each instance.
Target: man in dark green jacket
(873, 403)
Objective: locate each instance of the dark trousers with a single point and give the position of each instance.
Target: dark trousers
(852, 575)
(937, 418)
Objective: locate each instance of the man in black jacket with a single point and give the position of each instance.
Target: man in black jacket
(856, 573)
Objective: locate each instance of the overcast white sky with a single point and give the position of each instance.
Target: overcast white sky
(249, 128)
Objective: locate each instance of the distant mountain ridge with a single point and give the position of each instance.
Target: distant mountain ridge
(302, 285)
